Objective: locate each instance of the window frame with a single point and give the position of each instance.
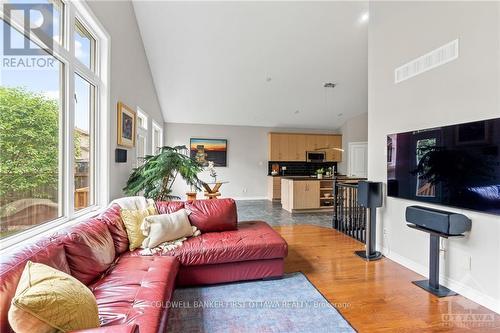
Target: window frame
(156, 126)
(142, 131)
(100, 138)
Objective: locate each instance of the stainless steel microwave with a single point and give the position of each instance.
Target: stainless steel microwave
(315, 156)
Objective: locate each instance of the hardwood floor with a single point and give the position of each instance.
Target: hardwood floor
(377, 296)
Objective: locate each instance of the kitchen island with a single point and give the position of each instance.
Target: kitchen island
(309, 194)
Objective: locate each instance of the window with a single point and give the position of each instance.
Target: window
(83, 139)
(142, 119)
(84, 45)
(53, 107)
(157, 141)
(142, 134)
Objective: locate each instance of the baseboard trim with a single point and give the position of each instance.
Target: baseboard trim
(249, 198)
(457, 286)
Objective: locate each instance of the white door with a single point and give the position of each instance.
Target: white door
(358, 159)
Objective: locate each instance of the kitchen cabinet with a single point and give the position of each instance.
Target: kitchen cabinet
(305, 194)
(293, 146)
(299, 195)
(278, 147)
(334, 143)
(274, 188)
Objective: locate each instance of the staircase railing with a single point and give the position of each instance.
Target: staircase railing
(348, 216)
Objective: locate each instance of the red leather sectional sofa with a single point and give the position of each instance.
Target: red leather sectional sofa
(133, 290)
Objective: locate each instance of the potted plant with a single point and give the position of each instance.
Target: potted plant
(211, 170)
(157, 175)
(320, 173)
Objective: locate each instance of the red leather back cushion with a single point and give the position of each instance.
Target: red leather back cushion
(89, 250)
(113, 219)
(168, 207)
(213, 215)
(48, 251)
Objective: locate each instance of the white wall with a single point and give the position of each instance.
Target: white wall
(130, 80)
(464, 90)
(247, 156)
(354, 129)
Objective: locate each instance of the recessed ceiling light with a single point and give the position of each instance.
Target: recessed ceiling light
(364, 17)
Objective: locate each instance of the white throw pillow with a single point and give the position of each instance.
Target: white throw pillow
(165, 227)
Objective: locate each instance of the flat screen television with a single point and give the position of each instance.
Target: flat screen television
(457, 165)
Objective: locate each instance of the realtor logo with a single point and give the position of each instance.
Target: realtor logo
(36, 20)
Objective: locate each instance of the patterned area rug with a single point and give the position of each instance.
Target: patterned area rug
(291, 304)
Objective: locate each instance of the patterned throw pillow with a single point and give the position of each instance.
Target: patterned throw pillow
(49, 300)
(132, 219)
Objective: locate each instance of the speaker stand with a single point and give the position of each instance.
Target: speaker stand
(370, 257)
(371, 233)
(432, 285)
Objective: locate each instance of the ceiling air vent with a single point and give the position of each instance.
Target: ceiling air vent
(433, 59)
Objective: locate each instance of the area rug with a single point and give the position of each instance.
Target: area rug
(291, 304)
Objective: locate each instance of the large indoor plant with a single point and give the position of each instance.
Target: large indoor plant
(154, 179)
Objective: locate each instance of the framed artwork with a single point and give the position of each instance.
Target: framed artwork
(126, 126)
(209, 150)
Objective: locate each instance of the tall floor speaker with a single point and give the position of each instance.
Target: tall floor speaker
(370, 197)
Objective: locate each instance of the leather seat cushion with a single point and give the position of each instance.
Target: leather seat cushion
(89, 250)
(137, 291)
(254, 240)
(213, 215)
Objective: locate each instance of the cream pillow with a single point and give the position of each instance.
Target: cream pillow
(132, 219)
(165, 227)
(59, 301)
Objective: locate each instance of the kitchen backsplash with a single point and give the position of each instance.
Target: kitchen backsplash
(300, 168)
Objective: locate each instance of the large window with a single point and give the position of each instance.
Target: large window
(53, 99)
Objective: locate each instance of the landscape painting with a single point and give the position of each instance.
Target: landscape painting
(209, 150)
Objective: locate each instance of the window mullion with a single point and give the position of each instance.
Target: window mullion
(69, 151)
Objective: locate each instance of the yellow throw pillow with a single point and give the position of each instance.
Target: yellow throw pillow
(53, 297)
(133, 219)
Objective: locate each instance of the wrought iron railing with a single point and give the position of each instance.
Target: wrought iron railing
(348, 216)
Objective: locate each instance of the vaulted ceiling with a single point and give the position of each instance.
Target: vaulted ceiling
(257, 63)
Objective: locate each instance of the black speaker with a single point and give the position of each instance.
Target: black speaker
(370, 194)
(437, 223)
(438, 220)
(120, 155)
(370, 197)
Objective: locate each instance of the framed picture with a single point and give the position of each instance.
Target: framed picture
(126, 126)
(209, 150)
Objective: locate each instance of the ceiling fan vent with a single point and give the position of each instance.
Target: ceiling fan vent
(431, 60)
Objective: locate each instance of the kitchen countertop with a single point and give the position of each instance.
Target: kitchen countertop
(305, 178)
(339, 177)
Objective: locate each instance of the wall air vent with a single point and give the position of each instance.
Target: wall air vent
(433, 59)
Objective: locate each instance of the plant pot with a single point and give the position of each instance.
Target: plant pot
(320, 176)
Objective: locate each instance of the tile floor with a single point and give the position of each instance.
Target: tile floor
(272, 213)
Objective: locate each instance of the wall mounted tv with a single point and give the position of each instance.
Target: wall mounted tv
(456, 165)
